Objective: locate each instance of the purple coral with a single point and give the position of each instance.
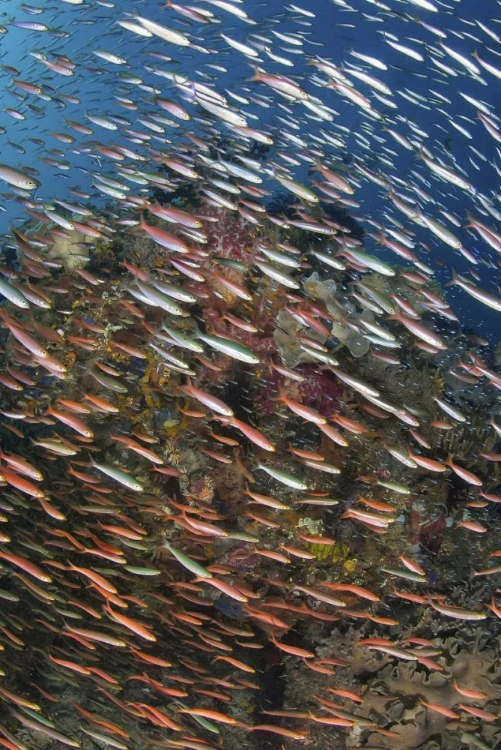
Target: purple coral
(319, 390)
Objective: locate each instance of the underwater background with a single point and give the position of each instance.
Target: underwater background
(250, 428)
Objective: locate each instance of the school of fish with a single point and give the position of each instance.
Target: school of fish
(212, 454)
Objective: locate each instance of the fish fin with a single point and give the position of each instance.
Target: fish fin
(256, 76)
(454, 280)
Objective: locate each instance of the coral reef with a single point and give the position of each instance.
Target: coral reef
(277, 501)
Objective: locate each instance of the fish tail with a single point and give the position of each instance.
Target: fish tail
(454, 280)
(256, 76)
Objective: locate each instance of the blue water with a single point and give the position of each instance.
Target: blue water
(80, 29)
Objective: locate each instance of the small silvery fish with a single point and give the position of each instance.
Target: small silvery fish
(17, 178)
(229, 347)
(118, 475)
(281, 476)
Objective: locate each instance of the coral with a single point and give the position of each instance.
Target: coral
(391, 693)
(319, 389)
(70, 248)
(344, 326)
(475, 664)
(236, 573)
(336, 553)
(228, 236)
(285, 335)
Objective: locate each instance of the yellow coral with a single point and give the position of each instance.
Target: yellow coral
(334, 553)
(350, 566)
(150, 397)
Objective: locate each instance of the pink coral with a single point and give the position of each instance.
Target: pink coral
(319, 390)
(229, 236)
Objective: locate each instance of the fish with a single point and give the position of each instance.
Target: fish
(287, 479)
(458, 612)
(18, 178)
(229, 347)
(486, 298)
(118, 475)
(278, 249)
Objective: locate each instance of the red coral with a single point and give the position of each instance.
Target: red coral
(228, 237)
(319, 390)
(431, 535)
(242, 557)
